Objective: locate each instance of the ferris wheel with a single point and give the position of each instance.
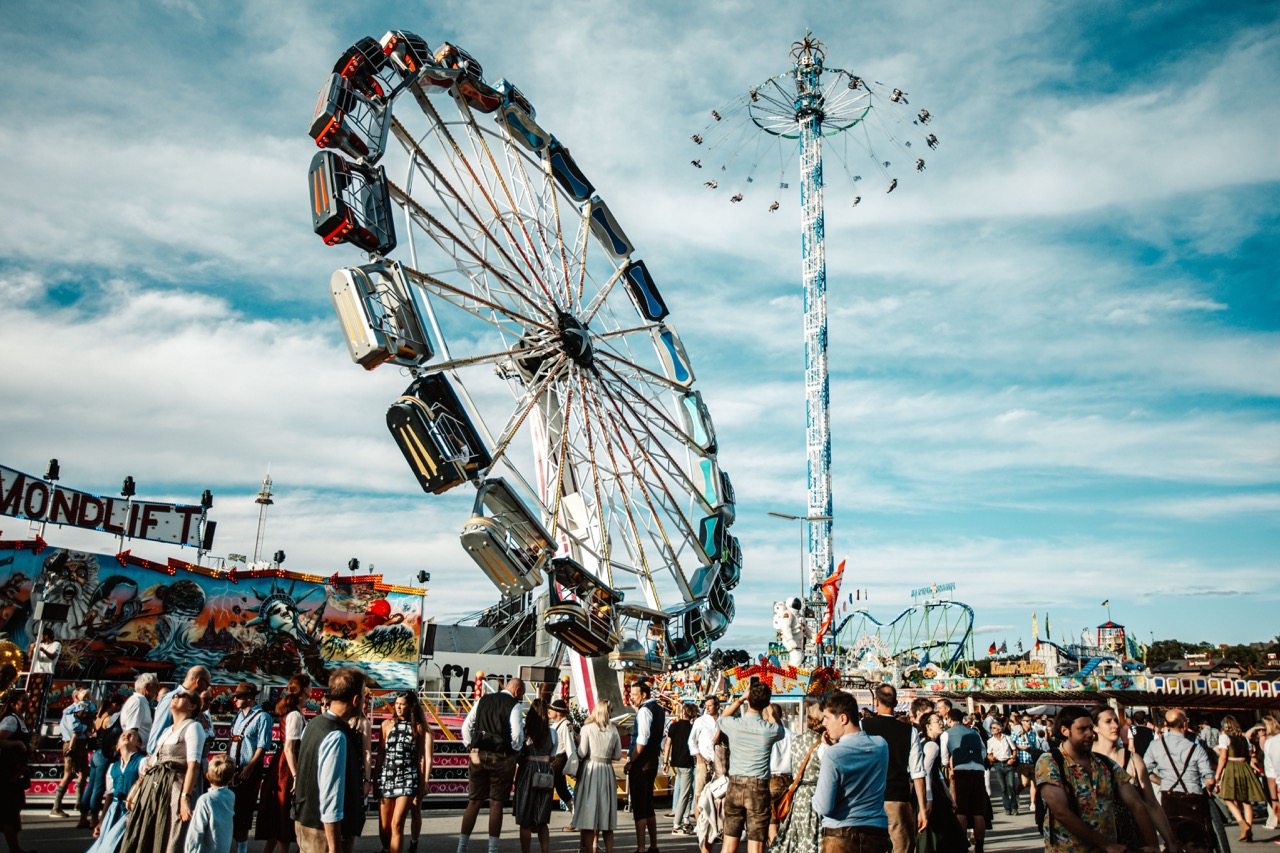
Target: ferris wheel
(545, 371)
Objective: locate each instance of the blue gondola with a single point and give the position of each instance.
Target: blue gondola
(606, 229)
(643, 292)
(350, 204)
(718, 612)
(707, 478)
(671, 352)
(506, 541)
(436, 436)
(379, 316)
(728, 499)
(697, 422)
(731, 565)
(581, 611)
(687, 641)
(566, 172)
(712, 533)
(519, 117)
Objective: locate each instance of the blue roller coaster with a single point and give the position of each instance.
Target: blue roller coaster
(934, 632)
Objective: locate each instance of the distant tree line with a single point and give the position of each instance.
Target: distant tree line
(1252, 655)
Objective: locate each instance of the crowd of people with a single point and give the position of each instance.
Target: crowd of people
(843, 780)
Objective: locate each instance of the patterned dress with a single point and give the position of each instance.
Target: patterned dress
(401, 774)
(799, 832)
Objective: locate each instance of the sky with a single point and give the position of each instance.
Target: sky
(1055, 355)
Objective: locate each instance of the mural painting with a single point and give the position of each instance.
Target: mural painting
(129, 616)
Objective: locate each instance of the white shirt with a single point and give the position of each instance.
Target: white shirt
(1271, 757)
(780, 756)
(1000, 748)
(294, 725)
(564, 736)
(516, 720)
(702, 737)
(46, 657)
(136, 714)
(193, 737)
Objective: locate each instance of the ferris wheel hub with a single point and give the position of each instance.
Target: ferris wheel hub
(575, 339)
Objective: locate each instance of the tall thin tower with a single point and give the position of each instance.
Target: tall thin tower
(809, 102)
(263, 501)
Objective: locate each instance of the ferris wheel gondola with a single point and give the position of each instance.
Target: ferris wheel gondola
(545, 370)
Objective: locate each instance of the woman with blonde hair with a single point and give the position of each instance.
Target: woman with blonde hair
(595, 809)
(1238, 785)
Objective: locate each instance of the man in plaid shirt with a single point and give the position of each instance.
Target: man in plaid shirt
(1027, 749)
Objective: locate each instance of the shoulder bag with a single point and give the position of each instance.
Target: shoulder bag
(782, 806)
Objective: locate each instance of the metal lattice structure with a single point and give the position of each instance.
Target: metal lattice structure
(938, 632)
(810, 102)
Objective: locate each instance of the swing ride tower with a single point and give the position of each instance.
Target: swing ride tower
(805, 104)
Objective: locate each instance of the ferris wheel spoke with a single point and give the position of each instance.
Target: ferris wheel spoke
(665, 422)
(490, 358)
(665, 543)
(652, 377)
(442, 129)
(598, 301)
(595, 476)
(422, 161)
(435, 229)
(441, 288)
(478, 136)
(626, 500)
(522, 412)
(674, 511)
(668, 462)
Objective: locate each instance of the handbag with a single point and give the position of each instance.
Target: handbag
(573, 765)
(542, 778)
(782, 806)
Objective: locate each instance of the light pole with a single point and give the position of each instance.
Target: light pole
(804, 593)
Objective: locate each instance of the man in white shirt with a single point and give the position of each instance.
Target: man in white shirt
(1004, 767)
(702, 745)
(136, 711)
(45, 654)
(494, 732)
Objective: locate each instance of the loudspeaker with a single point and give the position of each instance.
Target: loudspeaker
(428, 640)
(540, 674)
(52, 612)
(210, 528)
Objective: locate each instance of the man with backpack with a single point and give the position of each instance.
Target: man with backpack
(1082, 792)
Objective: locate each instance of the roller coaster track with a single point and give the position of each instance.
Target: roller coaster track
(914, 631)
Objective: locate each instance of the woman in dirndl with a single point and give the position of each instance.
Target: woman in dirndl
(160, 805)
(121, 775)
(944, 834)
(799, 831)
(532, 808)
(1238, 784)
(595, 798)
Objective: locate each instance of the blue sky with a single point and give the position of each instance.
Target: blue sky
(1055, 357)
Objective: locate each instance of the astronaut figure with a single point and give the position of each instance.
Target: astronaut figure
(789, 622)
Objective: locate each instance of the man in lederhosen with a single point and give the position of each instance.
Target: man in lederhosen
(250, 742)
(494, 732)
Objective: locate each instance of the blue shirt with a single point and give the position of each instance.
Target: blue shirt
(851, 783)
(751, 741)
(332, 770)
(211, 827)
(161, 720)
(253, 727)
(71, 725)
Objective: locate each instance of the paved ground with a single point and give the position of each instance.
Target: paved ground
(44, 834)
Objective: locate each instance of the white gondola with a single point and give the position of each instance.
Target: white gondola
(707, 479)
(506, 541)
(674, 359)
(581, 612)
(379, 317)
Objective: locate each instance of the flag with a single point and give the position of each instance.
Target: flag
(785, 186)
(830, 591)
(1035, 627)
(992, 650)
(1048, 632)
(1004, 647)
(1037, 644)
(1106, 603)
(1019, 646)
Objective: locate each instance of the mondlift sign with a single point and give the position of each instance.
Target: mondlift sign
(25, 496)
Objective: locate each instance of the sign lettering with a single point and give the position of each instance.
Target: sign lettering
(24, 496)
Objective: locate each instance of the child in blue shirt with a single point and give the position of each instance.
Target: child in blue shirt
(210, 830)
